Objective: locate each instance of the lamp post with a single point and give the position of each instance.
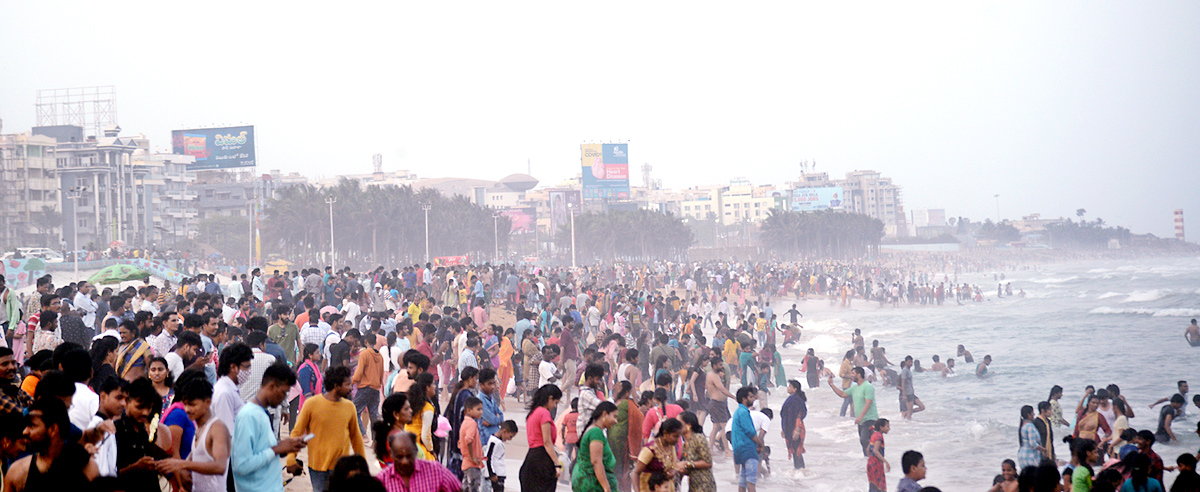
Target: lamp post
(331, 200)
(571, 210)
(997, 197)
(426, 207)
(75, 194)
(496, 236)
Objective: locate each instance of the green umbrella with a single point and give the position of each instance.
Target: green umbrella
(113, 274)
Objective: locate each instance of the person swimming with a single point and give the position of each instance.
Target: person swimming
(1192, 334)
(982, 369)
(962, 352)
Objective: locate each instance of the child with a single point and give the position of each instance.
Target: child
(1187, 478)
(469, 445)
(1006, 481)
(494, 454)
(659, 482)
(876, 463)
(912, 463)
(570, 430)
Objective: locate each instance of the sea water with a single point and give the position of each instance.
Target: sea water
(1097, 323)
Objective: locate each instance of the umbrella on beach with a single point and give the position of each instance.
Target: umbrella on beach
(115, 274)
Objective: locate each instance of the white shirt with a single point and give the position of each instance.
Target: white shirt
(227, 314)
(330, 339)
(84, 406)
(351, 310)
(149, 306)
(174, 364)
(259, 287)
(761, 422)
(106, 451)
(226, 402)
(89, 308)
(235, 289)
(493, 455)
(545, 372)
(258, 366)
(108, 333)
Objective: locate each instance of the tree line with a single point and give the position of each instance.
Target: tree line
(631, 235)
(824, 233)
(374, 225)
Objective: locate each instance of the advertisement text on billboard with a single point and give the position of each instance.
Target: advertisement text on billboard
(216, 148)
(605, 170)
(813, 199)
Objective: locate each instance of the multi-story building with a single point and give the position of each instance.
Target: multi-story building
(171, 205)
(867, 193)
(30, 214)
(115, 204)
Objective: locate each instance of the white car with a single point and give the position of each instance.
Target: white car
(46, 254)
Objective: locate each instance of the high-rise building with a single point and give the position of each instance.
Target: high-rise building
(867, 193)
(114, 204)
(171, 205)
(30, 214)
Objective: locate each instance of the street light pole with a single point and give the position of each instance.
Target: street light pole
(571, 210)
(997, 209)
(331, 200)
(496, 236)
(426, 207)
(74, 194)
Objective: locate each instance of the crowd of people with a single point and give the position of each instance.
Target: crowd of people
(617, 370)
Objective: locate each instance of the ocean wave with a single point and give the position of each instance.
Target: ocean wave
(1054, 280)
(1147, 295)
(1106, 295)
(1157, 313)
(1099, 270)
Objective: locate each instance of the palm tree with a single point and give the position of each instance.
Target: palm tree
(45, 221)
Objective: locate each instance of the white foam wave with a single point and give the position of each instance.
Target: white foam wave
(1157, 313)
(1180, 312)
(1054, 280)
(1099, 270)
(1147, 295)
(1106, 295)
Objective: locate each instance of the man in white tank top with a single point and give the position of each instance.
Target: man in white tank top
(210, 448)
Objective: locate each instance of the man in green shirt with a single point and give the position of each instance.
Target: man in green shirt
(862, 395)
(285, 333)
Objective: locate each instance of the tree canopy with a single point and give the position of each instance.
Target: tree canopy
(634, 234)
(378, 225)
(823, 233)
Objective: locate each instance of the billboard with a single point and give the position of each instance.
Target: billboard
(216, 148)
(812, 199)
(605, 170)
(524, 220)
(560, 214)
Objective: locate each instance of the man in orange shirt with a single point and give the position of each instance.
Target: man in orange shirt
(470, 446)
(368, 378)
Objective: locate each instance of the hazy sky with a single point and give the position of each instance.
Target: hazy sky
(1053, 105)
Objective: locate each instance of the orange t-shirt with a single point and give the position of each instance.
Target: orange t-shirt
(468, 443)
(29, 384)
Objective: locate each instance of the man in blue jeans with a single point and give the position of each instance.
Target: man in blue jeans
(745, 440)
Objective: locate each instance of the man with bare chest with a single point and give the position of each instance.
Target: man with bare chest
(718, 405)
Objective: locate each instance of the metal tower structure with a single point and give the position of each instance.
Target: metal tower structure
(92, 108)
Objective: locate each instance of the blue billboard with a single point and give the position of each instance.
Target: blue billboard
(813, 199)
(216, 148)
(605, 170)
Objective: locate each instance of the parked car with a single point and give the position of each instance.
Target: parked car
(45, 254)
